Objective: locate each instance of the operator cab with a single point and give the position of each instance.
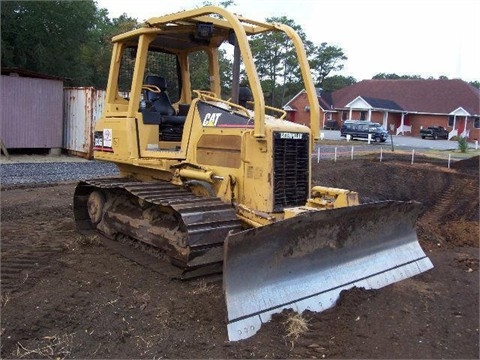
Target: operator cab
(161, 71)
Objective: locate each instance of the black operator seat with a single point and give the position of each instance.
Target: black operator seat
(159, 110)
(160, 101)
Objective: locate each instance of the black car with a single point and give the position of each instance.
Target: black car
(435, 132)
(358, 129)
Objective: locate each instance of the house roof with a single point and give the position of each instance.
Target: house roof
(414, 95)
(324, 99)
(287, 105)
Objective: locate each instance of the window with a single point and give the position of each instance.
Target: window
(127, 65)
(165, 65)
(363, 115)
(451, 120)
(344, 115)
(199, 74)
(158, 63)
(476, 122)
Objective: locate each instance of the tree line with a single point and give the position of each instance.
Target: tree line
(72, 39)
(69, 39)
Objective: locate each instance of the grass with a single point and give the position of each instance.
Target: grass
(340, 142)
(54, 347)
(295, 325)
(89, 240)
(462, 144)
(202, 287)
(457, 154)
(463, 151)
(5, 299)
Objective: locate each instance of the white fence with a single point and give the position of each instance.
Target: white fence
(334, 153)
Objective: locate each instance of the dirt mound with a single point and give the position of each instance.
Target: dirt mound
(470, 164)
(450, 196)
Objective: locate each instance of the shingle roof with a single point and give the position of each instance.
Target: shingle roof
(382, 103)
(429, 96)
(325, 99)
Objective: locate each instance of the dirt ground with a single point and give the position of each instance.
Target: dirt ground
(67, 296)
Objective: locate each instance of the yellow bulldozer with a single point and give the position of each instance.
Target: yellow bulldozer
(221, 184)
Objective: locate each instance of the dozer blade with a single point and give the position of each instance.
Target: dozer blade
(303, 263)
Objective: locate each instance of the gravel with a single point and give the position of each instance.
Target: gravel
(54, 172)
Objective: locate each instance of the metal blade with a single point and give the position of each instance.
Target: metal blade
(303, 263)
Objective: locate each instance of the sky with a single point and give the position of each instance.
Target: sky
(429, 38)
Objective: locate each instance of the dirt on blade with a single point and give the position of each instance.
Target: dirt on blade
(65, 295)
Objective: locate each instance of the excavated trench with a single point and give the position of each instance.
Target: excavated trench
(450, 195)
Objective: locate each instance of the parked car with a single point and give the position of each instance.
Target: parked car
(435, 132)
(331, 125)
(358, 129)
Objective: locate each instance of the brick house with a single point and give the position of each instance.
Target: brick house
(401, 106)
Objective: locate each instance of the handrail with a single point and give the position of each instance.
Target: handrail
(403, 128)
(282, 112)
(204, 94)
(209, 95)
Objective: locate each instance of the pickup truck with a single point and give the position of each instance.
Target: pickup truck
(435, 132)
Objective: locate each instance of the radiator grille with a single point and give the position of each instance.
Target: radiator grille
(291, 165)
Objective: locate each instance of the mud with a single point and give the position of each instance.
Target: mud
(65, 295)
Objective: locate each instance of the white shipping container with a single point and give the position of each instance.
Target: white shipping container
(82, 107)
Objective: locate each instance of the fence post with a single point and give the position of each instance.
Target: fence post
(449, 158)
(318, 154)
(335, 154)
(413, 155)
(352, 154)
(381, 153)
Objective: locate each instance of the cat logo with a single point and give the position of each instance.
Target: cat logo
(211, 119)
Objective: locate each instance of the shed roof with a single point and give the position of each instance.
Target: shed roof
(29, 73)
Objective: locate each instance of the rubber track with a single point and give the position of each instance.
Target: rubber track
(207, 220)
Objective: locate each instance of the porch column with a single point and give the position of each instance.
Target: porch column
(370, 114)
(350, 114)
(465, 129)
(385, 120)
(402, 122)
(453, 132)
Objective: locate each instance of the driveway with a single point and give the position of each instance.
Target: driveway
(404, 141)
